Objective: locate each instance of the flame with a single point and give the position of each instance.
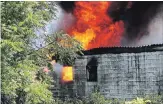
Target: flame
(67, 74)
(93, 27)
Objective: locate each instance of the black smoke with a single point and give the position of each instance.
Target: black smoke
(67, 6)
(138, 17)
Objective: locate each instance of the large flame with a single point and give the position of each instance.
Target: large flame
(93, 27)
(67, 74)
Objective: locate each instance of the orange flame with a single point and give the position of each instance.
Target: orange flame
(67, 74)
(93, 27)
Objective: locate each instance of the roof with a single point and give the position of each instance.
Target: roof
(118, 50)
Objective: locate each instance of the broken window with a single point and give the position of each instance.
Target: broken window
(92, 70)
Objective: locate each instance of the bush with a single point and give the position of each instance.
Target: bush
(97, 98)
(150, 99)
(155, 99)
(138, 101)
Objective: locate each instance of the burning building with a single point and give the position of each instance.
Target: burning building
(116, 71)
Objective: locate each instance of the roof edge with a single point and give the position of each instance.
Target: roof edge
(121, 49)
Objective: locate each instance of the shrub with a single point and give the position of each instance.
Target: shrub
(97, 98)
(155, 99)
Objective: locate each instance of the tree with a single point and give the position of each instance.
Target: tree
(19, 68)
(62, 46)
(23, 81)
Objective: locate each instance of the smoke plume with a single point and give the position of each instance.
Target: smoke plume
(64, 19)
(140, 21)
(143, 21)
(58, 68)
(154, 29)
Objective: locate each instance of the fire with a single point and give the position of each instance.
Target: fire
(94, 27)
(67, 74)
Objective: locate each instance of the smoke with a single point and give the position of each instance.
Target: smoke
(140, 21)
(67, 6)
(147, 29)
(63, 20)
(143, 20)
(58, 68)
(155, 30)
(55, 24)
(117, 10)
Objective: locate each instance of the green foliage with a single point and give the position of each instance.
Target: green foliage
(97, 98)
(94, 98)
(69, 101)
(18, 68)
(138, 101)
(38, 94)
(62, 46)
(23, 79)
(150, 99)
(155, 99)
